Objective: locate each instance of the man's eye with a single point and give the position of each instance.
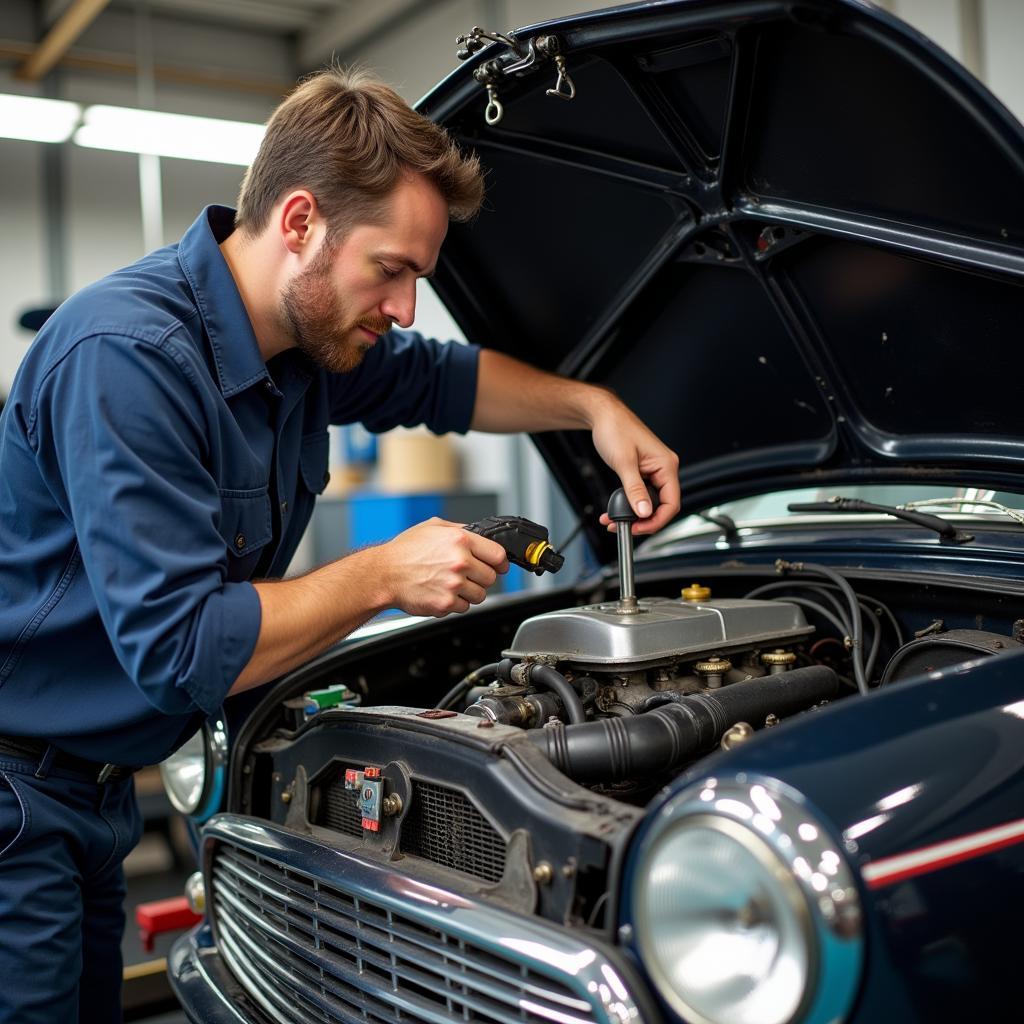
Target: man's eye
(389, 271)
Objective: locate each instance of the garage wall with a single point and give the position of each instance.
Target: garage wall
(101, 222)
(1002, 24)
(22, 247)
(100, 217)
(937, 19)
(985, 35)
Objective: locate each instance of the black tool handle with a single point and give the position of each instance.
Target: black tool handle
(525, 542)
(620, 510)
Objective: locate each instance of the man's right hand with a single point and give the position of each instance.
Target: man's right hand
(437, 567)
(432, 569)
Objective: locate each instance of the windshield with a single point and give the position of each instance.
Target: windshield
(771, 509)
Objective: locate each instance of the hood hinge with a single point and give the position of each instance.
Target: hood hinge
(521, 57)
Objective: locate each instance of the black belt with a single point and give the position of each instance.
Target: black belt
(36, 750)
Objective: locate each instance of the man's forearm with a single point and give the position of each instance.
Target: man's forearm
(433, 568)
(302, 617)
(512, 396)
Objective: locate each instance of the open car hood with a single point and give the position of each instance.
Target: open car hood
(790, 235)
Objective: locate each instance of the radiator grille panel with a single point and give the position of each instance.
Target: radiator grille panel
(307, 951)
(441, 826)
(340, 810)
(444, 827)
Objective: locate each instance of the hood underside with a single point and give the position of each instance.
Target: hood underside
(790, 235)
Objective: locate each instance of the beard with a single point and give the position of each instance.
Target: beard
(320, 325)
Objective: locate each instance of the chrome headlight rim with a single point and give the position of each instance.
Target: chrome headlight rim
(769, 819)
(214, 736)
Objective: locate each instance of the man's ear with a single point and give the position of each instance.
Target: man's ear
(297, 217)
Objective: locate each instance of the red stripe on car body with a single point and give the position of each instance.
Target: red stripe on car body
(890, 870)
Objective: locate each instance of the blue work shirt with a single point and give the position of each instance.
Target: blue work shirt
(150, 461)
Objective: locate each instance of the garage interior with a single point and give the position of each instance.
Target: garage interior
(83, 200)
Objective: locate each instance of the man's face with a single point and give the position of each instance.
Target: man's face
(351, 293)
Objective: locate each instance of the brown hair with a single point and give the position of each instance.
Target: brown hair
(347, 137)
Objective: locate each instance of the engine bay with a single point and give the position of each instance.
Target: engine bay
(703, 671)
(510, 753)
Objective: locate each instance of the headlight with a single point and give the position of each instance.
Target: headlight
(745, 913)
(194, 775)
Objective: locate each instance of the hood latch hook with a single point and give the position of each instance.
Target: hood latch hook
(565, 88)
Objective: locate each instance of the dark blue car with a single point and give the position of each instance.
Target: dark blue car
(777, 776)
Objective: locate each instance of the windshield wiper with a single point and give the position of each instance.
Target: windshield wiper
(725, 523)
(948, 533)
(1011, 513)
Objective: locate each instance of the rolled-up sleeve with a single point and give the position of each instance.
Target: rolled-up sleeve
(121, 434)
(408, 380)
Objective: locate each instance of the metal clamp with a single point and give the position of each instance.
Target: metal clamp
(477, 38)
(536, 51)
(565, 88)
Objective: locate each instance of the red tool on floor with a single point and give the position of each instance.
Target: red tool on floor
(161, 916)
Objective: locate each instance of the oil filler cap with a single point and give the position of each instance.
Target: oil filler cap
(696, 593)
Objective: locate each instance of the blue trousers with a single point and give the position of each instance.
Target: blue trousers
(62, 840)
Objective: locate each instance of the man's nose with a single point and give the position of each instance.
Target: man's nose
(400, 306)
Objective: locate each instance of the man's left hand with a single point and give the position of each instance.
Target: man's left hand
(636, 455)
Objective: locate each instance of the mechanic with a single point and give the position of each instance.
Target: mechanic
(162, 448)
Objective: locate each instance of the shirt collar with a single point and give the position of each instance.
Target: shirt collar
(236, 353)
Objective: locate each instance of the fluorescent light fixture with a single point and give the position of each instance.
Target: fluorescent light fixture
(37, 120)
(127, 130)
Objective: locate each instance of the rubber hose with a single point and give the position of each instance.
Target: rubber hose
(864, 598)
(828, 590)
(547, 678)
(855, 619)
(616, 749)
(819, 609)
(485, 673)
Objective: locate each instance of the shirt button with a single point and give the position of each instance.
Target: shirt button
(284, 507)
(240, 541)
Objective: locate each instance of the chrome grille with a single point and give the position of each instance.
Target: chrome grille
(444, 827)
(309, 951)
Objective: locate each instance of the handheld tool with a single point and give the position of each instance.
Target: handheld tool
(526, 543)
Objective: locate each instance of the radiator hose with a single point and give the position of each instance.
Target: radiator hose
(616, 749)
(546, 678)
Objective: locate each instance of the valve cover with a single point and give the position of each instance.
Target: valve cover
(662, 630)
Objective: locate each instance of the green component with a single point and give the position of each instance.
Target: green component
(321, 700)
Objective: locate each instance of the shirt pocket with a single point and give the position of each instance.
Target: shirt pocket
(246, 528)
(313, 457)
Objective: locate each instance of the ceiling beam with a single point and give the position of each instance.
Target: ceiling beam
(116, 64)
(69, 26)
(349, 28)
